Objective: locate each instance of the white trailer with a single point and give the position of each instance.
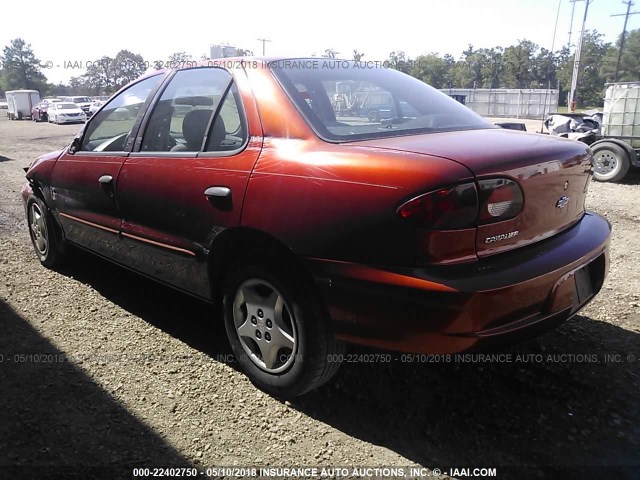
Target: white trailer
(619, 146)
(20, 103)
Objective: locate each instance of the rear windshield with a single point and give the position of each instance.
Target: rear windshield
(345, 101)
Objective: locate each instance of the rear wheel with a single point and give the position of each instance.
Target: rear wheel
(278, 329)
(47, 242)
(373, 116)
(611, 162)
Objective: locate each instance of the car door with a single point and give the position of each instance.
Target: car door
(84, 178)
(185, 181)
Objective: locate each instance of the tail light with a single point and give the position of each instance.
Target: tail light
(464, 206)
(444, 209)
(500, 199)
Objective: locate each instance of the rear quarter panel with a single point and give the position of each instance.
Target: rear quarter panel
(339, 201)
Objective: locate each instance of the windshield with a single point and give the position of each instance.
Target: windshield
(345, 100)
(81, 100)
(67, 106)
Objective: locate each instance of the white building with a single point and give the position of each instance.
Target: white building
(222, 51)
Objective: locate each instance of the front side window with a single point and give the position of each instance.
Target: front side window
(108, 130)
(182, 118)
(345, 101)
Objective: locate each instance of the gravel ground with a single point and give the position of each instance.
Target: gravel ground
(101, 367)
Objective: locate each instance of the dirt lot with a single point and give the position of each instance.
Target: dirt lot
(100, 367)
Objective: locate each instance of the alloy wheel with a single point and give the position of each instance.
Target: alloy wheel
(265, 325)
(38, 228)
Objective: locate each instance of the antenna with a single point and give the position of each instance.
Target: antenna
(264, 41)
(629, 3)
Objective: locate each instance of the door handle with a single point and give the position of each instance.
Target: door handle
(106, 182)
(218, 192)
(219, 197)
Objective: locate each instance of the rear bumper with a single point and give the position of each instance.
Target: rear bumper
(500, 299)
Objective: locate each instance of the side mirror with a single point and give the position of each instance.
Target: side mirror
(75, 145)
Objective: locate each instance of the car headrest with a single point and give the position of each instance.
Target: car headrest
(218, 134)
(194, 127)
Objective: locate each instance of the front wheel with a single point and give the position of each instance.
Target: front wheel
(48, 244)
(278, 330)
(611, 162)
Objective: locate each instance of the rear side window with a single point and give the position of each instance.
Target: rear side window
(182, 120)
(345, 101)
(108, 129)
(229, 130)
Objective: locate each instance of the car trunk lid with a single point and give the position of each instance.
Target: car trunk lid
(552, 173)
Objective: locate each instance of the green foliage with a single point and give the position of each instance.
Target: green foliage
(523, 65)
(20, 68)
(330, 53)
(357, 56)
(527, 65)
(106, 75)
(175, 59)
(127, 67)
(629, 70)
(98, 80)
(591, 76)
(432, 69)
(400, 61)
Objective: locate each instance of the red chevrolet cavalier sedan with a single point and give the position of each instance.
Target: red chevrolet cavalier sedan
(259, 185)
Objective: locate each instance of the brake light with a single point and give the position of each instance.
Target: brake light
(444, 209)
(500, 199)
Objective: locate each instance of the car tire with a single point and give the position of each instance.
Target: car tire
(45, 235)
(611, 162)
(373, 115)
(279, 330)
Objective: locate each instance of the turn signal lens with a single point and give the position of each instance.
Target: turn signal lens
(444, 209)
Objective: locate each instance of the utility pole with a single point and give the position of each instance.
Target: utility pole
(629, 4)
(264, 41)
(576, 61)
(573, 11)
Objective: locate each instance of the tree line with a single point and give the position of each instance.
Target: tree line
(527, 65)
(523, 65)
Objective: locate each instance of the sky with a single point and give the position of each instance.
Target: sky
(87, 31)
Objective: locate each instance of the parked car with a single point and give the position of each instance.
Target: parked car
(39, 112)
(83, 102)
(65, 112)
(4, 105)
(95, 106)
(437, 232)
